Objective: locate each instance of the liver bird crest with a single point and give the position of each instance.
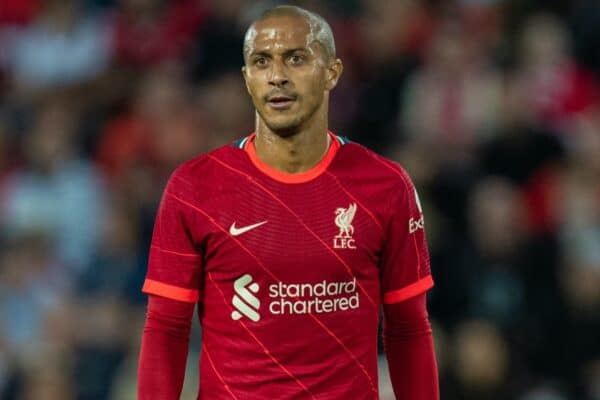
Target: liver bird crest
(343, 219)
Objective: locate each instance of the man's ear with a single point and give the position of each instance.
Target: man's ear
(333, 73)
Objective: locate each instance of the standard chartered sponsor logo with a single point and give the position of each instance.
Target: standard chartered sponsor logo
(294, 298)
(244, 301)
(305, 298)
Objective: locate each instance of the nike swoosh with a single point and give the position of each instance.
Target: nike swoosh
(238, 231)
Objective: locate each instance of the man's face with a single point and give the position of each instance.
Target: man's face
(287, 73)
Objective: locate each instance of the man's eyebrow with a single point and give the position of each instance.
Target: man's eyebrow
(267, 53)
(263, 53)
(297, 49)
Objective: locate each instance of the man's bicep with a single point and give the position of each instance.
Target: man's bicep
(405, 266)
(175, 263)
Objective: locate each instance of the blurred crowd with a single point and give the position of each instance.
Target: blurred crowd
(492, 106)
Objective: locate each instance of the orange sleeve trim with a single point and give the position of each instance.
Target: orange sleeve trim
(409, 291)
(170, 291)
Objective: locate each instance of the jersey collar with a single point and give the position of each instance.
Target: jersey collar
(248, 145)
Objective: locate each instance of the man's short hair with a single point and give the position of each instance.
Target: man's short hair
(319, 28)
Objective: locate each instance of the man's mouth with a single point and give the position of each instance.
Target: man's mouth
(280, 102)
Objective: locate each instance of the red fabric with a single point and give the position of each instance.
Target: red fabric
(164, 348)
(409, 350)
(291, 275)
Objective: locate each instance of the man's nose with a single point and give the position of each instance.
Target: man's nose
(278, 76)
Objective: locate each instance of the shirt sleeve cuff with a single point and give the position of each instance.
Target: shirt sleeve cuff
(170, 291)
(409, 291)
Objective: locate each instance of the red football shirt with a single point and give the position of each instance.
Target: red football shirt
(290, 269)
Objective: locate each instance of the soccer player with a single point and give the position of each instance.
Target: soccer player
(289, 240)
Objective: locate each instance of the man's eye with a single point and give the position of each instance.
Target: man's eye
(260, 61)
(296, 59)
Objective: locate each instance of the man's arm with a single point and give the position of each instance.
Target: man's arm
(409, 349)
(164, 348)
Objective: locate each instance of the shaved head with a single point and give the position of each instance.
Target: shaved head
(320, 31)
(289, 69)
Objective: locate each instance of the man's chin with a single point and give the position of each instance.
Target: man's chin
(284, 128)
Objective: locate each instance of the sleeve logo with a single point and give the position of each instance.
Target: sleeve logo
(416, 224)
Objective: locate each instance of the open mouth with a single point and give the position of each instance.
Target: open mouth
(280, 102)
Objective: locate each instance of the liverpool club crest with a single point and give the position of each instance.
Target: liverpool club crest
(343, 220)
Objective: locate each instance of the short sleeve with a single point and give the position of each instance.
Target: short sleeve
(405, 269)
(175, 264)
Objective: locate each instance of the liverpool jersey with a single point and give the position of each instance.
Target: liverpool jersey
(289, 270)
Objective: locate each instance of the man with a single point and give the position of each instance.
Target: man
(289, 240)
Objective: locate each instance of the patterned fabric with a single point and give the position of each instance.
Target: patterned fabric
(290, 269)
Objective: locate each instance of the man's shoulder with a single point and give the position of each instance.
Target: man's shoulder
(358, 161)
(211, 163)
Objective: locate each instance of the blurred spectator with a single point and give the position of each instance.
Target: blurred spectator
(218, 44)
(519, 148)
(581, 238)
(580, 273)
(55, 191)
(157, 133)
(225, 91)
(485, 274)
(451, 103)
(99, 345)
(101, 99)
(385, 61)
(63, 46)
(18, 11)
(148, 32)
(139, 148)
(481, 361)
(556, 87)
(584, 21)
(546, 392)
(526, 153)
(42, 382)
(30, 288)
(117, 267)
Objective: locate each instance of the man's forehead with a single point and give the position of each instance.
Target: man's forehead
(281, 32)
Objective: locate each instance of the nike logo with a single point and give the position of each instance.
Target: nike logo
(238, 231)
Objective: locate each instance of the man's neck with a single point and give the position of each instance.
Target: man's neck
(296, 153)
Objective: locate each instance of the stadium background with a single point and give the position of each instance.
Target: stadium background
(492, 106)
